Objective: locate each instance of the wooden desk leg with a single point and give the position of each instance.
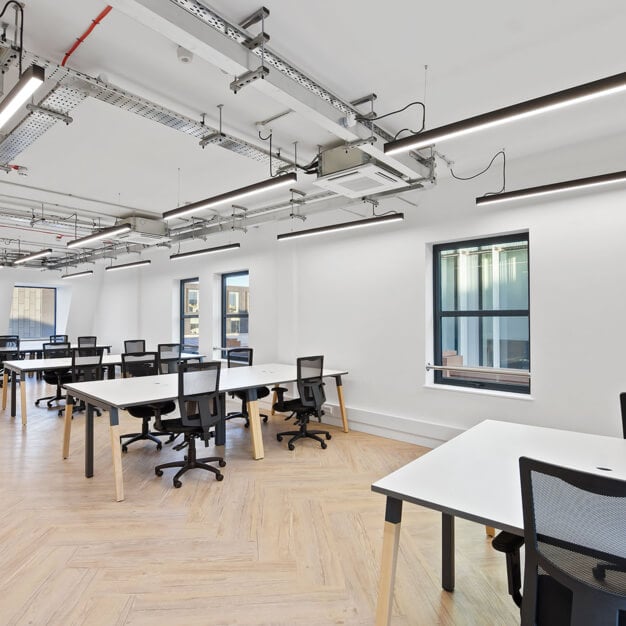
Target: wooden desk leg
(67, 426)
(447, 551)
(116, 450)
(490, 531)
(342, 405)
(5, 385)
(391, 538)
(274, 401)
(23, 399)
(255, 425)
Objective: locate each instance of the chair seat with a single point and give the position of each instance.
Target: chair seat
(176, 426)
(261, 392)
(147, 410)
(52, 376)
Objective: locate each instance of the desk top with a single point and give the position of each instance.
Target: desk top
(124, 392)
(475, 476)
(34, 365)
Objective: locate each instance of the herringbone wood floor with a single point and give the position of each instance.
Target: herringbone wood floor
(291, 540)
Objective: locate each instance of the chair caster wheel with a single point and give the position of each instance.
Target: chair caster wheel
(158, 472)
(219, 477)
(265, 420)
(291, 446)
(324, 446)
(159, 446)
(222, 464)
(328, 436)
(124, 449)
(178, 484)
(247, 424)
(36, 402)
(279, 438)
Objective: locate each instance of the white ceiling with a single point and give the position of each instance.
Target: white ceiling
(481, 55)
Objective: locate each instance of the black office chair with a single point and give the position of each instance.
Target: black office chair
(87, 341)
(510, 544)
(575, 569)
(56, 377)
(169, 357)
(86, 367)
(309, 404)
(9, 351)
(135, 345)
(143, 364)
(236, 357)
(201, 409)
(59, 339)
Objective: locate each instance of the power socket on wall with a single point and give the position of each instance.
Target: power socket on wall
(329, 410)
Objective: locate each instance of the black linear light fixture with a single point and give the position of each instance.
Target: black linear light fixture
(33, 256)
(544, 190)
(25, 87)
(183, 255)
(127, 266)
(322, 230)
(557, 100)
(105, 233)
(266, 185)
(78, 274)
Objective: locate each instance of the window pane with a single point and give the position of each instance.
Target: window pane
(191, 330)
(236, 332)
(496, 342)
(33, 312)
(237, 293)
(191, 298)
(483, 278)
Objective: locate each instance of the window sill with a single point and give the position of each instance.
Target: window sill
(480, 392)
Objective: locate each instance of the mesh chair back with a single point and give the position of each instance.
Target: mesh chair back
(58, 339)
(169, 356)
(87, 342)
(310, 384)
(56, 351)
(622, 402)
(86, 364)
(236, 357)
(135, 345)
(139, 364)
(9, 348)
(575, 532)
(198, 387)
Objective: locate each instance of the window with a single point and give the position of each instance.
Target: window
(481, 316)
(235, 309)
(190, 314)
(33, 312)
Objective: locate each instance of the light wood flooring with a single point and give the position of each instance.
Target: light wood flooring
(291, 540)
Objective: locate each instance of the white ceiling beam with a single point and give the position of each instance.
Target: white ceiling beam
(185, 29)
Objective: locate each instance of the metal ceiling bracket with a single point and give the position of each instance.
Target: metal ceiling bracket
(33, 108)
(260, 40)
(249, 77)
(258, 16)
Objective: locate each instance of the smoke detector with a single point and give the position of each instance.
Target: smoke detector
(184, 55)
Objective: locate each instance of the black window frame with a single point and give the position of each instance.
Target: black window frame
(225, 314)
(184, 316)
(439, 314)
(55, 311)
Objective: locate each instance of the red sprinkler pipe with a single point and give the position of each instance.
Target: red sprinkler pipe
(86, 34)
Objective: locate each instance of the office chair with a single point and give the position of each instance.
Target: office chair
(135, 345)
(236, 357)
(573, 525)
(57, 377)
(9, 351)
(201, 409)
(510, 544)
(309, 404)
(86, 366)
(59, 339)
(87, 342)
(169, 356)
(143, 364)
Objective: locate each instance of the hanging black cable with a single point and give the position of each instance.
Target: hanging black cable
(365, 119)
(495, 156)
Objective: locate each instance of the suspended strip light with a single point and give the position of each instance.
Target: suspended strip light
(33, 256)
(127, 266)
(574, 95)
(105, 233)
(182, 255)
(266, 185)
(78, 274)
(370, 221)
(19, 95)
(544, 190)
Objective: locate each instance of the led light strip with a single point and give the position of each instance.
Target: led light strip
(126, 266)
(25, 87)
(182, 255)
(33, 256)
(370, 221)
(78, 274)
(101, 234)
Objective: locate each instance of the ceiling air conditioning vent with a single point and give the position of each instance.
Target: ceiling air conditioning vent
(361, 181)
(145, 231)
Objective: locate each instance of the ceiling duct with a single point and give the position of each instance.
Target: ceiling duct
(353, 173)
(145, 231)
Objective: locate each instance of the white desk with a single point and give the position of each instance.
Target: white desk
(475, 476)
(23, 366)
(120, 393)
